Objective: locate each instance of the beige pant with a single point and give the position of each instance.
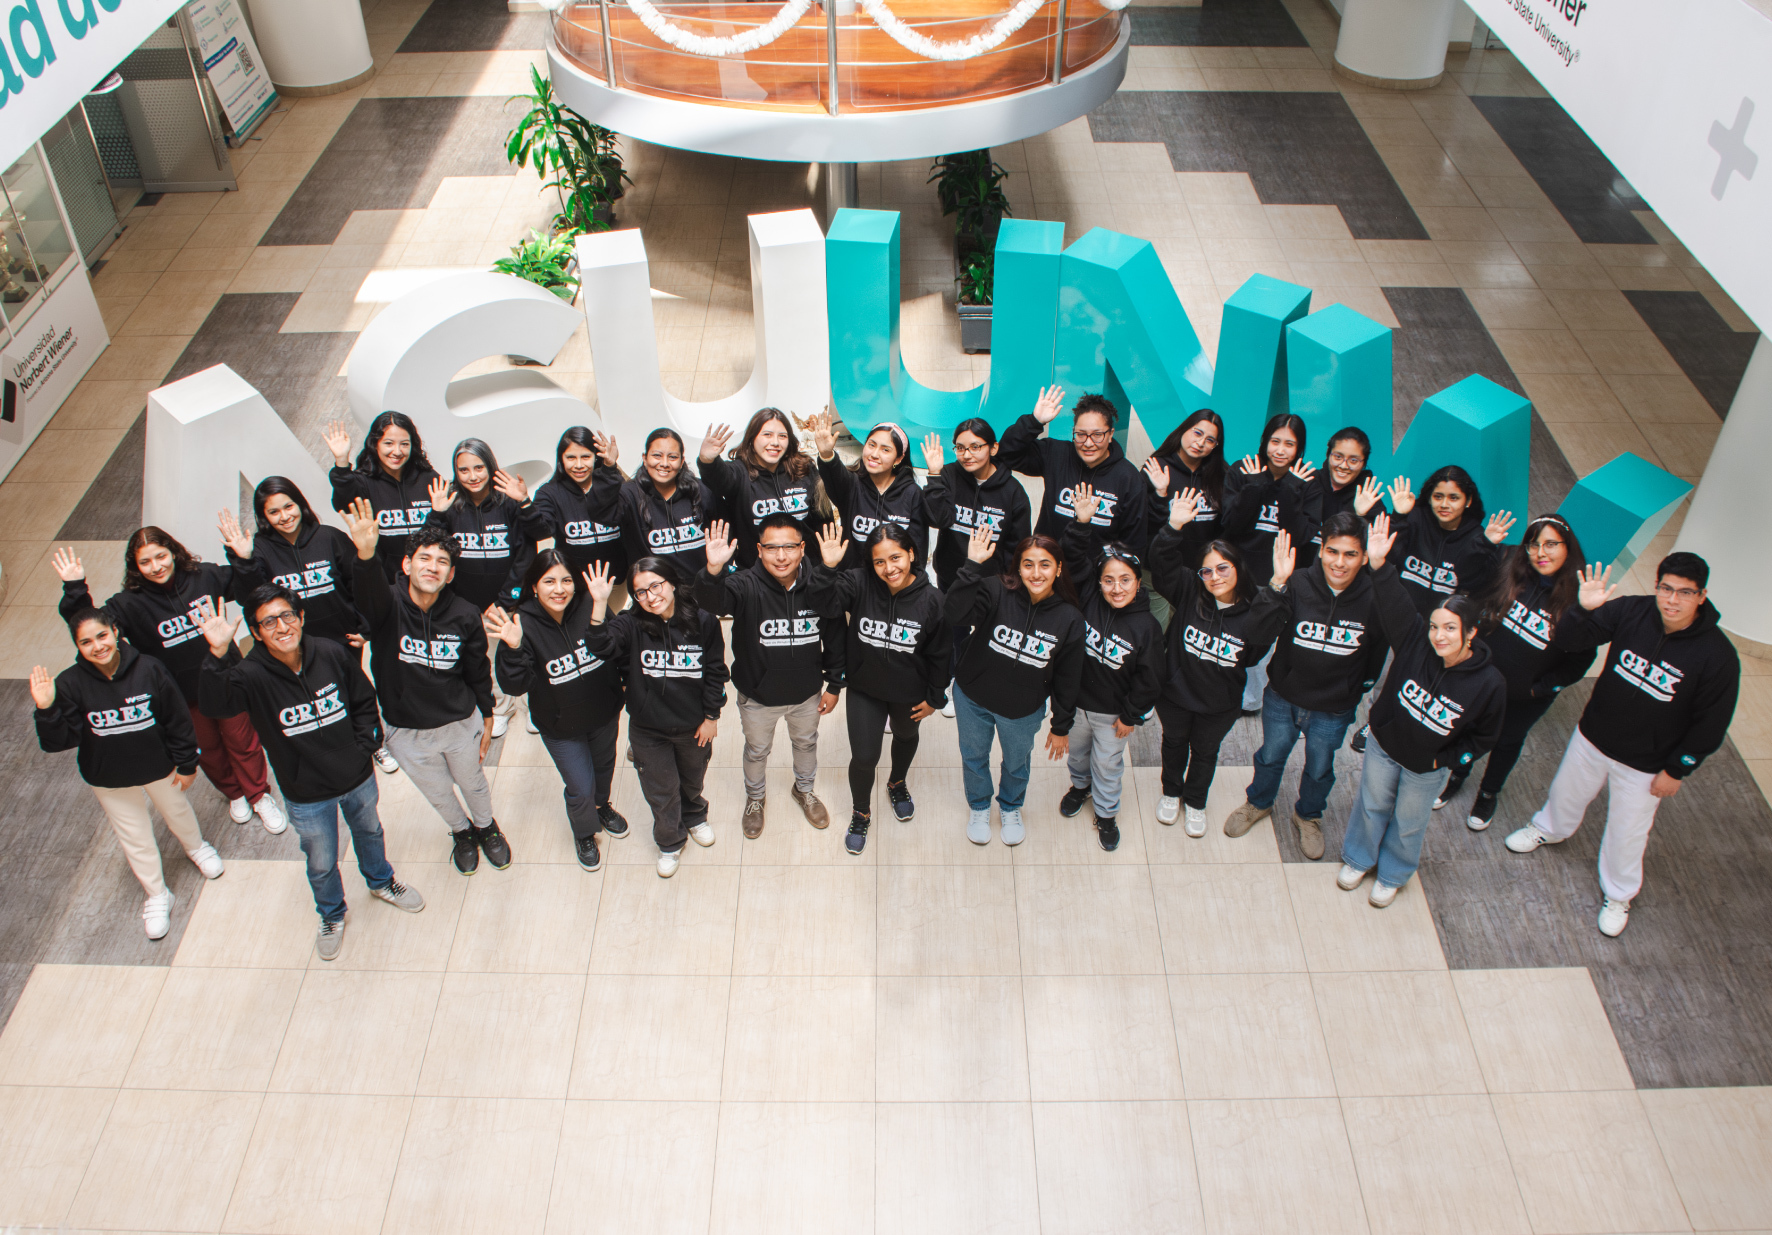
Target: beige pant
(127, 810)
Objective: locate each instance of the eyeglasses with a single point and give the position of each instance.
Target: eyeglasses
(1093, 435)
(1223, 570)
(780, 550)
(1348, 460)
(274, 621)
(1678, 593)
(650, 590)
(961, 448)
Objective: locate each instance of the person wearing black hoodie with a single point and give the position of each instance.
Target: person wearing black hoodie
(1092, 457)
(294, 549)
(317, 712)
(1123, 667)
(880, 487)
(786, 638)
(1191, 457)
(664, 510)
(1439, 707)
(1660, 707)
(674, 660)
(896, 663)
(428, 653)
(391, 472)
(1445, 545)
(573, 506)
(127, 720)
(1343, 483)
(767, 473)
(575, 697)
(971, 492)
(1265, 495)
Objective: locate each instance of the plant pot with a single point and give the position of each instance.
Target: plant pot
(975, 328)
(604, 214)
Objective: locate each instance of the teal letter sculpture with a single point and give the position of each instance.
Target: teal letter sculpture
(1484, 428)
(1617, 509)
(1024, 317)
(1338, 373)
(1250, 384)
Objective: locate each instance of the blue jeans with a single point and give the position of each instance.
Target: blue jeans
(587, 766)
(317, 825)
(1017, 734)
(1281, 725)
(1389, 821)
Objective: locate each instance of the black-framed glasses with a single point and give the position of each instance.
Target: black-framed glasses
(650, 590)
(961, 448)
(1093, 435)
(275, 621)
(1678, 593)
(781, 549)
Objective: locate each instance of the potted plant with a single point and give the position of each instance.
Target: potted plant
(974, 302)
(546, 261)
(970, 187)
(580, 156)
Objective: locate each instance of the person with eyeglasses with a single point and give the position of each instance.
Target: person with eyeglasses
(1091, 457)
(1343, 483)
(878, 488)
(1123, 667)
(1190, 458)
(1661, 705)
(664, 510)
(316, 710)
(787, 639)
(1264, 496)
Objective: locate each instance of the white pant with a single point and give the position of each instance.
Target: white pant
(1630, 812)
(127, 810)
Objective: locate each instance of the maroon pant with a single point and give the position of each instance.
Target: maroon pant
(231, 756)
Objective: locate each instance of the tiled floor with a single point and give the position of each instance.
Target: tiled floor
(1180, 1036)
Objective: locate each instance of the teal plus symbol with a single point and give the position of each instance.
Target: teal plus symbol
(1731, 144)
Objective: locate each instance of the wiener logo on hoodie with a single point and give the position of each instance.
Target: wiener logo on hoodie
(486, 544)
(1438, 713)
(1029, 647)
(327, 707)
(1342, 639)
(1531, 626)
(136, 714)
(188, 625)
(676, 539)
(403, 520)
(1106, 649)
(442, 652)
(1222, 648)
(583, 532)
(792, 502)
(681, 661)
(1659, 682)
(314, 579)
(1441, 578)
(801, 630)
(902, 633)
(575, 664)
(1104, 508)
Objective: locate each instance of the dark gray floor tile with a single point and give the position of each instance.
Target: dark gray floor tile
(476, 25)
(13, 976)
(1580, 181)
(112, 506)
(1217, 23)
(1708, 350)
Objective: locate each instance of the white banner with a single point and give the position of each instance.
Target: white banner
(1669, 93)
(231, 60)
(47, 357)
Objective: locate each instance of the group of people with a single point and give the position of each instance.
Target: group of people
(1188, 591)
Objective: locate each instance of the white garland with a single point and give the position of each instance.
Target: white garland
(965, 49)
(732, 45)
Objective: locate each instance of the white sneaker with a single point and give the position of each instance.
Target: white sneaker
(1439, 803)
(1012, 831)
(384, 759)
(702, 834)
(500, 725)
(1349, 878)
(1527, 839)
(668, 863)
(1382, 895)
(529, 723)
(1196, 821)
(271, 815)
(207, 860)
(1167, 809)
(157, 915)
(1614, 917)
(240, 810)
(947, 709)
(978, 827)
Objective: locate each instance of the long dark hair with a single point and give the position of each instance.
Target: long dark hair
(481, 451)
(1458, 476)
(577, 435)
(546, 560)
(182, 558)
(795, 459)
(899, 439)
(1517, 573)
(1062, 587)
(688, 613)
(1206, 601)
(1284, 420)
(686, 479)
(1209, 476)
(1467, 609)
(269, 488)
(369, 465)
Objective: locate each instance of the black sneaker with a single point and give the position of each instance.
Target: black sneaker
(1482, 811)
(494, 845)
(588, 857)
(467, 852)
(1358, 745)
(902, 806)
(1072, 802)
(613, 823)
(1108, 833)
(857, 839)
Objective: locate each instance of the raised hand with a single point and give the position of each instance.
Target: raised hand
(1379, 540)
(981, 544)
(237, 541)
(831, 545)
(1302, 470)
(501, 625)
(1402, 496)
(932, 456)
(1159, 476)
(599, 582)
(42, 687)
(337, 436)
(714, 444)
(1251, 466)
(1594, 591)
(512, 486)
(1183, 507)
(607, 450)
(824, 433)
(361, 523)
(440, 496)
(1367, 495)
(720, 546)
(1285, 558)
(1049, 404)
(219, 633)
(1084, 503)
(1499, 524)
(68, 567)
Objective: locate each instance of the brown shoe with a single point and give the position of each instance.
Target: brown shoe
(1310, 836)
(753, 818)
(1246, 816)
(816, 814)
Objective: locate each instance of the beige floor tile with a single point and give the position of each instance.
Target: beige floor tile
(32, 635)
(357, 1033)
(1228, 918)
(937, 836)
(1752, 726)
(951, 1040)
(800, 1040)
(1542, 351)
(807, 920)
(526, 800)
(1250, 1036)
(1626, 351)
(1573, 397)
(1595, 310)
(1171, 843)
(1278, 1165)
(725, 794)
(926, 1175)
(1087, 920)
(1068, 1019)
(138, 356)
(167, 1160)
(1540, 1029)
(47, 1136)
(652, 1038)
(1572, 277)
(682, 925)
(1459, 222)
(1514, 309)
(1588, 446)
(475, 1166)
(532, 918)
(1341, 932)
(503, 1035)
(1432, 1165)
(1051, 838)
(379, 936)
(66, 456)
(1685, 449)
(1116, 1166)
(613, 1156)
(78, 1024)
(1588, 1162)
(215, 1029)
(103, 405)
(1396, 1033)
(789, 839)
(794, 1168)
(319, 1163)
(1218, 188)
(1718, 1144)
(947, 920)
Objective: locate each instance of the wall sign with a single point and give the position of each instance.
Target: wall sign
(47, 357)
(232, 62)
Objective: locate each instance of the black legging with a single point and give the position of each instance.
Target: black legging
(1521, 715)
(1190, 750)
(867, 726)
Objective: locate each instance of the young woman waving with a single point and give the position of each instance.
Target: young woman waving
(664, 510)
(293, 549)
(1445, 546)
(767, 473)
(392, 472)
(878, 488)
(972, 492)
(569, 503)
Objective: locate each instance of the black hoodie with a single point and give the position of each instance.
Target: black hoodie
(1121, 487)
(1322, 501)
(571, 516)
(317, 568)
(300, 718)
(1210, 646)
(785, 641)
(955, 503)
(676, 677)
(676, 530)
(864, 508)
(751, 499)
(900, 647)
(571, 691)
(430, 664)
(166, 622)
(1257, 508)
(1526, 649)
(1425, 715)
(401, 506)
(1124, 663)
(1434, 563)
(1334, 648)
(1033, 651)
(497, 541)
(1663, 702)
(1207, 523)
(130, 729)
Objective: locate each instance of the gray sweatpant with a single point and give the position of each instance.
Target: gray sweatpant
(438, 759)
(758, 721)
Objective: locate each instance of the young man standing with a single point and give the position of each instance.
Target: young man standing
(1092, 458)
(315, 712)
(1660, 706)
(1330, 656)
(784, 642)
(428, 653)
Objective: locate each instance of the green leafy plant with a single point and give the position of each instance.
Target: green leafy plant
(580, 156)
(970, 187)
(976, 278)
(546, 261)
